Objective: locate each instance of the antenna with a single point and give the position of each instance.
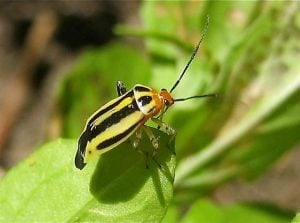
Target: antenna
(193, 55)
(197, 96)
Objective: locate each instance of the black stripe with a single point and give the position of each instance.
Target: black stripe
(145, 100)
(117, 138)
(113, 119)
(79, 158)
(101, 112)
(141, 89)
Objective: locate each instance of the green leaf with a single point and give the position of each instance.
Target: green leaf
(172, 214)
(296, 219)
(250, 213)
(203, 211)
(117, 188)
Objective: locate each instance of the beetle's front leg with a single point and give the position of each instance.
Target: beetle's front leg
(121, 89)
(166, 128)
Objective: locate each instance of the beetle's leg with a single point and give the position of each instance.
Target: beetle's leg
(161, 115)
(121, 89)
(137, 138)
(167, 129)
(136, 142)
(152, 138)
(154, 142)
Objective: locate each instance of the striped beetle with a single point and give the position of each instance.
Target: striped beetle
(117, 120)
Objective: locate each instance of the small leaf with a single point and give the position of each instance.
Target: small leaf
(116, 189)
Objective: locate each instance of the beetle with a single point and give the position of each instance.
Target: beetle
(125, 115)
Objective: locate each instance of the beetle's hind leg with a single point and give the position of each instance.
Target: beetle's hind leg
(136, 142)
(121, 89)
(154, 142)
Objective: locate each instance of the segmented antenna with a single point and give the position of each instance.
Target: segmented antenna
(193, 55)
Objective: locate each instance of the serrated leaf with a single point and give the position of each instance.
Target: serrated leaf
(47, 187)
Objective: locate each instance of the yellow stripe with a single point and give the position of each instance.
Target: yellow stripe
(102, 108)
(139, 94)
(125, 102)
(116, 129)
(122, 104)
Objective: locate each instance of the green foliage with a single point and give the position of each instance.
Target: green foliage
(47, 186)
(296, 219)
(249, 56)
(203, 211)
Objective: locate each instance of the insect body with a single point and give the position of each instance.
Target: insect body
(117, 120)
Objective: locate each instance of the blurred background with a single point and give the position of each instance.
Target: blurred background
(237, 154)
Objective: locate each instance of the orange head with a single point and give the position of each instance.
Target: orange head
(166, 97)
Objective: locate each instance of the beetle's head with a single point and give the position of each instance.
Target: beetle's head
(167, 98)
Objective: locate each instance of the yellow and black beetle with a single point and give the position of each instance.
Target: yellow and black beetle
(118, 119)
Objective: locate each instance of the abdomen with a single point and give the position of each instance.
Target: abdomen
(108, 127)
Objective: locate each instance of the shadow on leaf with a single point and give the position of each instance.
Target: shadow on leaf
(121, 173)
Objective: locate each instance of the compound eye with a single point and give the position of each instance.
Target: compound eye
(166, 102)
